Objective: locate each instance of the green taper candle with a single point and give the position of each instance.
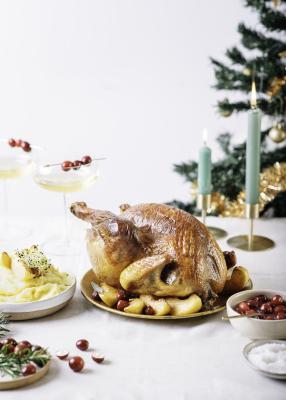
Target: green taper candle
(204, 168)
(253, 150)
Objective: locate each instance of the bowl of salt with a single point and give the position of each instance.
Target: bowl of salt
(268, 357)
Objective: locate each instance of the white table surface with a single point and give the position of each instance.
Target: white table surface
(189, 359)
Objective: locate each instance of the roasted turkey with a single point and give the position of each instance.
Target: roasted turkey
(153, 249)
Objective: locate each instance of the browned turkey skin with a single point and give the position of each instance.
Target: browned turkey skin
(153, 249)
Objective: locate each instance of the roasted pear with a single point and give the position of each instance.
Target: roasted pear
(160, 306)
(5, 259)
(184, 307)
(237, 279)
(135, 306)
(109, 295)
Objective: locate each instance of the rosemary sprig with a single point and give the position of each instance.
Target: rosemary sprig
(12, 363)
(4, 320)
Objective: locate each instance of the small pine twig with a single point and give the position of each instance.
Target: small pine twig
(4, 320)
(12, 363)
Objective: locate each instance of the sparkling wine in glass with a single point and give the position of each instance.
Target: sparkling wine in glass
(17, 159)
(66, 177)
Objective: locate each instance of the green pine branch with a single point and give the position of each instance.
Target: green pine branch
(254, 40)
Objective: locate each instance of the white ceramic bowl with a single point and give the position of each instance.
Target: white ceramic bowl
(41, 308)
(255, 328)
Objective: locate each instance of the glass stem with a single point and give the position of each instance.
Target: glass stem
(66, 228)
(5, 204)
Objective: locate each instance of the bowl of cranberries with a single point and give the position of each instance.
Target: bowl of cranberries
(263, 313)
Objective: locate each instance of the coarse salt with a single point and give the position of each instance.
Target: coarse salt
(270, 357)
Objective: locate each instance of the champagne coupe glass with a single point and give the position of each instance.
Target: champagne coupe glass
(17, 159)
(66, 177)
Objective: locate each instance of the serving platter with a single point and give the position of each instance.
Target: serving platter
(86, 290)
(15, 383)
(41, 308)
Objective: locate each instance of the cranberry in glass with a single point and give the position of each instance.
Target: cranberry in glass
(12, 142)
(86, 160)
(67, 165)
(77, 164)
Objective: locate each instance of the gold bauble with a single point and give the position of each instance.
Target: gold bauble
(225, 113)
(275, 86)
(247, 72)
(282, 54)
(276, 3)
(277, 134)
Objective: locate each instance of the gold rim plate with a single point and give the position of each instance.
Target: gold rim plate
(86, 290)
(25, 380)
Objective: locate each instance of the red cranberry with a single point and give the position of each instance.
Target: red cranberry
(269, 317)
(77, 164)
(243, 307)
(28, 369)
(266, 308)
(280, 315)
(67, 165)
(252, 304)
(82, 344)
(26, 146)
(21, 348)
(261, 299)
(86, 160)
(121, 304)
(149, 310)
(280, 308)
(8, 340)
(277, 300)
(12, 142)
(76, 363)
(25, 343)
(18, 143)
(95, 296)
(122, 295)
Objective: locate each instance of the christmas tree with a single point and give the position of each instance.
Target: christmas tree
(268, 68)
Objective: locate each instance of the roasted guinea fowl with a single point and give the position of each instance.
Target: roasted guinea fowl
(153, 249)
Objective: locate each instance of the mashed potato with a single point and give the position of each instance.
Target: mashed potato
(29, 276)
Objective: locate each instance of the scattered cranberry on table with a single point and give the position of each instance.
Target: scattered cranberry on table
(82, 344)
(76, 363)
(99, 358)
(273, 308)
(62, 354)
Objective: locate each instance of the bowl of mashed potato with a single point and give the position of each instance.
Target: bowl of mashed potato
(31, 286)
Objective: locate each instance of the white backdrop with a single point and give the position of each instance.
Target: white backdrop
(126, 79)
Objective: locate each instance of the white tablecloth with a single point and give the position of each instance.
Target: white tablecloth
(189, 359)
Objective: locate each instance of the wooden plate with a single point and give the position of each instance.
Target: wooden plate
(86, 290)
(41, 308)
(24, 380)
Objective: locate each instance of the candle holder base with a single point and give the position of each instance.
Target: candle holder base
(258, 243)
(217, 233)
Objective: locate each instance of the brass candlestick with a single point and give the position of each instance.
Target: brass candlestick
(251, 242)
(204, 204)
